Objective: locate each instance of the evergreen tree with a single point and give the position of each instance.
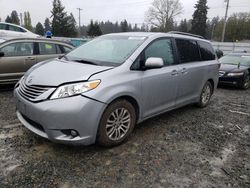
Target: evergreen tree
(39, 29)
(59, 18)
(27, 21)
(124, 26)
(200, 18)
(183, 27)
(70, 27)
(47, 26)
(94, 29)
(14, 18)
(8, 19)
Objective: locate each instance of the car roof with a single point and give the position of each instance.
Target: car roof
(34, 39)
(239, 54)
(159, 34)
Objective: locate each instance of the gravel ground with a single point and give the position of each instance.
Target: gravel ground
(188, 147)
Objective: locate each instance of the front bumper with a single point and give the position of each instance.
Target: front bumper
(49, 118)
(231, 80)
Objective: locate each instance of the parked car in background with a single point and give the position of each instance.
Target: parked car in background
(100, 90)
(235, 70)
(18, 55)
(12, 30)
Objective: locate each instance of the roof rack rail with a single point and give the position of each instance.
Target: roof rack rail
(187, 34)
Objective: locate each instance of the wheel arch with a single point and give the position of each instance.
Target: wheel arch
(132, 101)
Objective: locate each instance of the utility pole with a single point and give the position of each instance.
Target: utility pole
(225, 22)
(79, 9)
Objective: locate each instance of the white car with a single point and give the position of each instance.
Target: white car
(12, 30)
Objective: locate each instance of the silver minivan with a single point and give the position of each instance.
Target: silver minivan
(101, 90)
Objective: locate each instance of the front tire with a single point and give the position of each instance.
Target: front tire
(205, 95)
(117, 123)
(246, 83)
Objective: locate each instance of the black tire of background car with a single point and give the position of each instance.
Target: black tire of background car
(246, 82)
(102, 138)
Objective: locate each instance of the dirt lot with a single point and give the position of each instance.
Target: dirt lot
(189, 147)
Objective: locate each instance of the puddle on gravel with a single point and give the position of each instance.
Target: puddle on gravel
(10, 134)
(8, 162)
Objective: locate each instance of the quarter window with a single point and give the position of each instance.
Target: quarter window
(18, 49)
(47, 48)
(207, 51)
(161, 48)
(188, 50)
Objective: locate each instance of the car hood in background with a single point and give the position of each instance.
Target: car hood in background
(56, 72)
(232, 68)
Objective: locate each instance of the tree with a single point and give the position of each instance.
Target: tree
(27, 21)
(14, 18)
(39, 29)
(183, 27)
(8, 19)
(94, 29)
(47, 26)
(162, 13)
(124, 26)
(70, 27)
(200, 18)
(59, 18)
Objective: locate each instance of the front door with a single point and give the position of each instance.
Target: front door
(159, 86)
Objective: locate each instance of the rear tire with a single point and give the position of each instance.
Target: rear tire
(117, 123)
(246, 83)
(205, 95)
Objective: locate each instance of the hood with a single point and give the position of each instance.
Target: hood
(55, 72)
(232, 68)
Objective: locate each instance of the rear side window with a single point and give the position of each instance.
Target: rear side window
(161, 48)
(47, 48)
(207, 51)
(14, 28)
(188, 50)
(2, 27)
(18, 49)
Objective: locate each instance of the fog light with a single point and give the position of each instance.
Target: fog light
(73, 133)
(70, 132)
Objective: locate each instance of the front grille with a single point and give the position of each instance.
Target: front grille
(221, 73)
(33, 123)
(31, 92)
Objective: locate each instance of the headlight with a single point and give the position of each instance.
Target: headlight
(74, 89)
(236, 74)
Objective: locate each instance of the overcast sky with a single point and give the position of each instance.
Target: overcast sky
(113, 10)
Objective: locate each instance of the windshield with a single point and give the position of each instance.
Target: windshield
(106, 50)
(235, 60)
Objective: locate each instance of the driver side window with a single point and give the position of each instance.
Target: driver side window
(161, 48)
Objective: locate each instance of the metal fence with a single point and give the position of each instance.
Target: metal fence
(228, 47)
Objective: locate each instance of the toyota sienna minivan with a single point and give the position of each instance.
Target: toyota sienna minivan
(102, 89)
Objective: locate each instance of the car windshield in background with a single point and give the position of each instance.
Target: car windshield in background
(236, 59)
(106, 50)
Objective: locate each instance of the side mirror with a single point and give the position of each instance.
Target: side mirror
(219, 53)
(1, 54)
(154, 63)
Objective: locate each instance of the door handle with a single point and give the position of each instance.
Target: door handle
(174, 72)
(184, 71)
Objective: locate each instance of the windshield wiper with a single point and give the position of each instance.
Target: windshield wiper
(85, 61)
